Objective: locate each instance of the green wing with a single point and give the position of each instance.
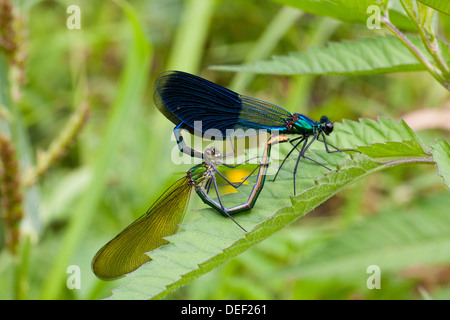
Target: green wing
(126, 252)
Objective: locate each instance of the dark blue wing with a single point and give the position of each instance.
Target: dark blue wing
(183, 97)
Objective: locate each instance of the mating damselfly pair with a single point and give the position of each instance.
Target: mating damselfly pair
(186, 99)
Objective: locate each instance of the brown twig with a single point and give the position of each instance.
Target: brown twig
(436, 73)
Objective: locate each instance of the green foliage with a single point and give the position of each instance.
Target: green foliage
(334, 9)
(366, 56)
(351, 11)
(441, 154)
(354, 11)
(441, 5)
(393, 240)
(207, 242)
(379, 207)
(398, 139)
(132, 82)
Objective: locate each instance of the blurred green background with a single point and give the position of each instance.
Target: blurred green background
(119, 163)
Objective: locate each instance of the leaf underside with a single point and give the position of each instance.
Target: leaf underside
(364, 56)
(440, 150)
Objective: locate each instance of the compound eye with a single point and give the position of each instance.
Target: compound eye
(209, 152)
(328, 128)
(324, 119)
(212, 152)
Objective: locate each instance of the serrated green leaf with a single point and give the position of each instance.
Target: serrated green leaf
(365, 56)
(398, 138)
(354, 11)
(207, 242)
(441, 155)
(393, 149)
(441, 5)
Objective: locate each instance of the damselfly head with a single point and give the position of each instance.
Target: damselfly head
(211, 153)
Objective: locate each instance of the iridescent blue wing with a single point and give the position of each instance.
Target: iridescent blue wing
(183, 97)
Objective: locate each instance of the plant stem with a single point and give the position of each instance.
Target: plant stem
(426, 32)
(426, 160)
(437, 74)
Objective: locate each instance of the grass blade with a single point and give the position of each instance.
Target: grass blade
(131, 84)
